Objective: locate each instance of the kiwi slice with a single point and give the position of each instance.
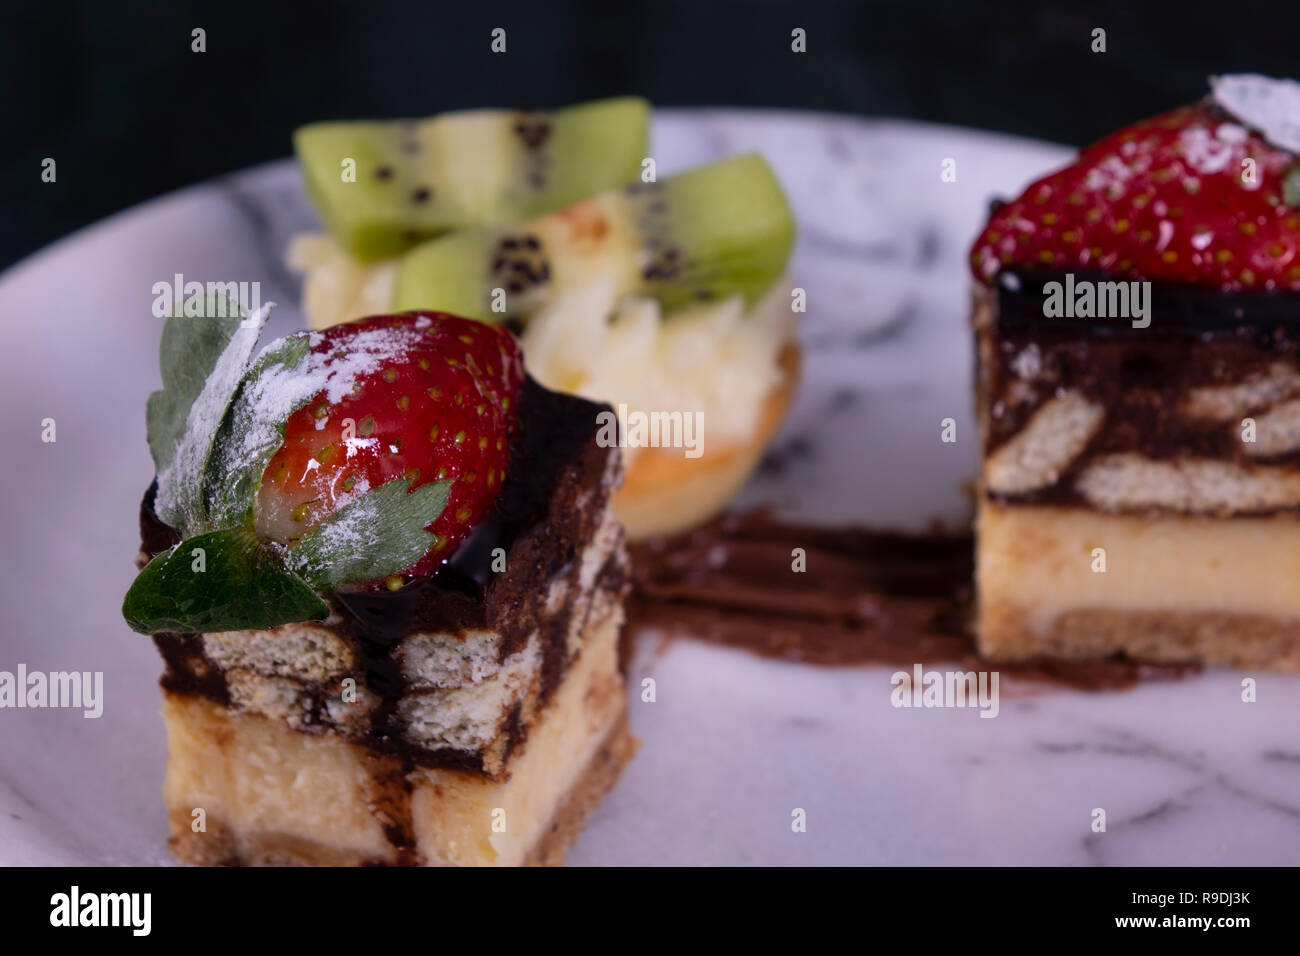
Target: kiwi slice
(705, 234)
(415, 179)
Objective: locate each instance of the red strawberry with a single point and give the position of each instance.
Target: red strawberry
(422, 395)
(1168, 199)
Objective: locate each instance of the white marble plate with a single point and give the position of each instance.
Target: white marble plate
(1186, 772)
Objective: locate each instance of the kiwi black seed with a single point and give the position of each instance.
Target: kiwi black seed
(664, 265)
(520, 263)
(533, 130)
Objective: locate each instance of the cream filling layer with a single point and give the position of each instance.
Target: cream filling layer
(1046, 561)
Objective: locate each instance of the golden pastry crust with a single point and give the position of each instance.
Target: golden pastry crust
(665, 492)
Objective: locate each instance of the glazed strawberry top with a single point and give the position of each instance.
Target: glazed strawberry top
(355, 458)
(441, 407)
(1192, 196)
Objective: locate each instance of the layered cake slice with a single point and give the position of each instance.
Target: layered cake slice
(387, 585)
(1136, 319)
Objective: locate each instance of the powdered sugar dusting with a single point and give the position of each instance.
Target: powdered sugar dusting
(354, 445)
(1111, 173)
(366, 353)
(1263, 103)
(373, 534)
(269, 398)
(355, 530)
(264, 404)
(1207, 153)
(179, 501)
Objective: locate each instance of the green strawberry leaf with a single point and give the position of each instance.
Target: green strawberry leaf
(219, 581)
(253, 429)
(375, 535)
(1291, 187)
(187, 354)
(180, 502)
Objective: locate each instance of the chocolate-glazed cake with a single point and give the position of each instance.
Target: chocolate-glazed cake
(1140, 487)
(473, 715)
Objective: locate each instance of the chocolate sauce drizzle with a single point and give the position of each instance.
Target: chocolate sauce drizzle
(1181, 308)
(866, 598)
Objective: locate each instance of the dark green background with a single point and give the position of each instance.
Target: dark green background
(113, 93)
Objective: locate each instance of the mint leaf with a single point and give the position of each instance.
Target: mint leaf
(375, 535)
(1291, 188)
(180, 501)
(219, 581)
(187, 353)
(253, 429)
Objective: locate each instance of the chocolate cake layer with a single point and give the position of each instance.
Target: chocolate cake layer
(1073, 409)
(466, 641)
